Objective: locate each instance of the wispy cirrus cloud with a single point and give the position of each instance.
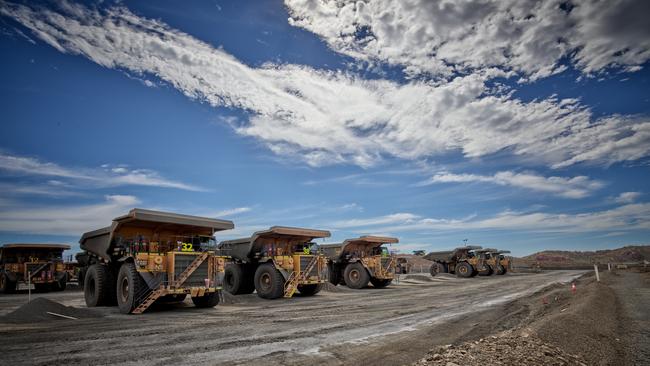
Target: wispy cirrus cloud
(334, 117)
(105, 176)
(576, 187)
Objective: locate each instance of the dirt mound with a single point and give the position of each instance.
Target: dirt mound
(37, 311)
(418, 277)
(507, 349)
(227, 298)
(329, 287)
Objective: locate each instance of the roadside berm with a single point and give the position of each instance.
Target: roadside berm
(556, 326)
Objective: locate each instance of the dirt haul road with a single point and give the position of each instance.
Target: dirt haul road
(395, 325)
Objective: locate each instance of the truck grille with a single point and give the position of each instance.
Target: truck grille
(304, 263)
(197, 278)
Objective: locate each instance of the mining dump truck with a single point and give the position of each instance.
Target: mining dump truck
(459, 261)
(36, 267)
(403, 266)
(147, 256)
(494, 259)
(355, 262)
(276, 263)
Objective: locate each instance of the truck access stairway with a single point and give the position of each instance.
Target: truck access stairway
(292, 282)
(160, 291)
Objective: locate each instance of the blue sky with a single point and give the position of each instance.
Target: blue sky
(525, 128)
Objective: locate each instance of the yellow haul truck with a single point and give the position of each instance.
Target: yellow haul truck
(32, 267)
(461, 261)
(276, 263)
(481, 261)
(355, 262)
(145, 256)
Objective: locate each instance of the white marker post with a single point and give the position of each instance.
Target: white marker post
(29, 286)
(596, 270)
(609, 267)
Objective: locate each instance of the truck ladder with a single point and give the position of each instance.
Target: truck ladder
(149, 300)
(34, 273)
(190, 269)
(292, 283)
(388, 264)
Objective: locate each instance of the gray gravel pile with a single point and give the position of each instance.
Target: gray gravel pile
(507, 349)
(37, 311)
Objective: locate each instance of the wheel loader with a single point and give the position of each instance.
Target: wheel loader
(147, 256)
(275, 263)
(357, 262)
(494, 259)
(460, 261)
(36, 267)
(483, 262)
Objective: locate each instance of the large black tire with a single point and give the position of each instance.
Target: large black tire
(269, 282)
(310, 290)
(209, 300)
(464, 269)
(334, 274)
(380, 283)
(6, 285)
(237, 280)
(486, 270)
(500, 270)
(97, 285)
(60, 284)
(505, 270)
(356, 275)
(130, 288)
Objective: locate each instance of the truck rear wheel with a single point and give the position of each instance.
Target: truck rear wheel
(438, 268)
(6, 285)
(269, 282)
(208, 300)
(380, 283)
(356, 276)
(96, 285)
(130, 288)
(237, 281)
(309, 290)
(464, 269)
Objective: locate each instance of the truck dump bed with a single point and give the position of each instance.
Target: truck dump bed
(336, 251)
(246, 248)
(139, 221)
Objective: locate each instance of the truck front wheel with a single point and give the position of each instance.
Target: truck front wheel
(356, 276)
(464, 269)
(269, 283)
(6, 285)
(130, 288)
(380, 283)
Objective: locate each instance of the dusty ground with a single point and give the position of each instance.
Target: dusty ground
(601, 323)
(396, 325)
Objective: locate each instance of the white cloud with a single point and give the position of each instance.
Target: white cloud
(576, 187)
(228, 212)
(624, 218)
(628, 197)
(107, 176)
(326, 117)
(65, 220)
(442, 37)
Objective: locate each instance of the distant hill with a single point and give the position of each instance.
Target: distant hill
(561, 258)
